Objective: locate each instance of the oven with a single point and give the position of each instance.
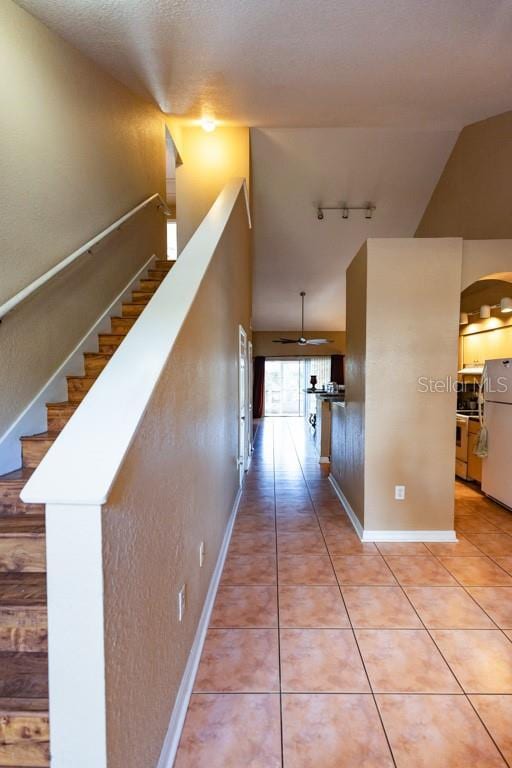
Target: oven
(461, 442)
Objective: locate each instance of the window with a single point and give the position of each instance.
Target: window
(172, 245)
(286, 381)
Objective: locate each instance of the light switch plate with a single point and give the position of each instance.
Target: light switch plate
(400, 492)
(201, 554)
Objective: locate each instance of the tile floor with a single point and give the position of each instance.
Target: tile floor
(323, 652)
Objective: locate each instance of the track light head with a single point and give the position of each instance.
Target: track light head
(344, 213)
(320, 214)
(368, 212)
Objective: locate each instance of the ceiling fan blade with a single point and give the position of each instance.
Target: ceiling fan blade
(316, 342)
(285, 341)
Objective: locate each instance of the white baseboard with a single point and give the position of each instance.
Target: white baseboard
(33, 419)
(383, 536)
(172, 738)
(348, 509)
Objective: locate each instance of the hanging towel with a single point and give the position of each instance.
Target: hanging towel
(481, 447)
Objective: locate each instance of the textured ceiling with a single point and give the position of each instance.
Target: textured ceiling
(295, 168)
(415, 63)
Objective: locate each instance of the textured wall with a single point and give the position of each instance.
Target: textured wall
(412, 313)
(176, 489)
(473, 197)
(209, 161)
(352, 482)
(78, 150)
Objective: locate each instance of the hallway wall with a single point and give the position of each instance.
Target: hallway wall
(472, 198)
(78, 150)
(210, 160)
(176, 488)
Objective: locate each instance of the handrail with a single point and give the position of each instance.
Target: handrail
(83, 462)
(9, 305)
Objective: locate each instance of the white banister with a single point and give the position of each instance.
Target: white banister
(13, 302)
(83, 462)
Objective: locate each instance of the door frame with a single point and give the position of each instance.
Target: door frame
(243, 404)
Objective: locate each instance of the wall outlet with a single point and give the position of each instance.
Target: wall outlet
(400, 492)
(182, 602)
(201, 554)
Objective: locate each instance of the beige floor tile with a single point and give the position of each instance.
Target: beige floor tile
(402, 548)
(419, 571)
(448, 608)
(321, 661)
(404, 661)
(461, 548)
(474, 524)
(244, 607)
(308, 543)
(253, 543)
(497, 602)
(253, 524)
(231, 731)
(476, 571)
(496, 713)
(311, 607)
(306, 569)
(380, 608)
(239, 660)
(348, 544)
(505, 563)
(249, 570)
(493, 544)
(298, 524)
(333, 731)
(363, 570)
(436, 732)
(481, 659)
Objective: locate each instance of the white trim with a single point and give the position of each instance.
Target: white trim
(83, 462)
(9, 305)
(367, 536)
(448, 536)
(76, 652)
(348, 509)
(33, 419)
(172, 738)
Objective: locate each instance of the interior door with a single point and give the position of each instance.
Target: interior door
(243, 410)
(249, 398)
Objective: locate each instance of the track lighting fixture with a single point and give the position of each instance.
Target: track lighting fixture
(345, 209)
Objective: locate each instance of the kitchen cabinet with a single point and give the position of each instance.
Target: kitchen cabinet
(487, 345)
(474, 471)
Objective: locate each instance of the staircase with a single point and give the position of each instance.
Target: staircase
(24, 725)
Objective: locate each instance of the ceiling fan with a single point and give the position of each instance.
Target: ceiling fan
(302, 340)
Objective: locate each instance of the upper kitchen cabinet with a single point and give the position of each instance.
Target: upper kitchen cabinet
(486, 345)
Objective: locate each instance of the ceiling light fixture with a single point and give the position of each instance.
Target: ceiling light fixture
(463, 319)
(485, 312)
(506, 304)
(208, 124)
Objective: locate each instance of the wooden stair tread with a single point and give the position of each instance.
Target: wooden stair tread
(17, 476)
(24, 726)
(19, 524)
(40, 437)
(22, 589)
(24, 675)
(20, 705)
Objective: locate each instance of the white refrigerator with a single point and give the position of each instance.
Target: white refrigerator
(497, 466)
